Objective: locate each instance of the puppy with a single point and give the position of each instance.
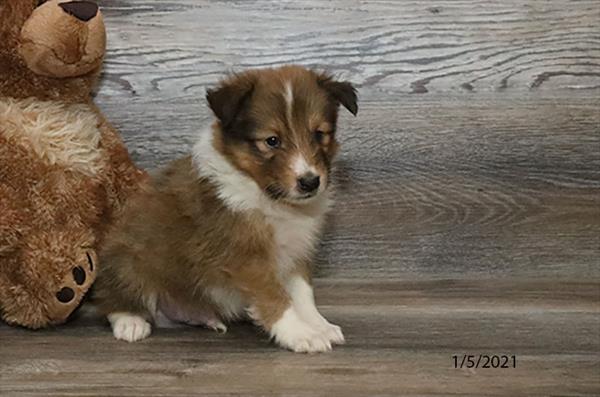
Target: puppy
(230, 230)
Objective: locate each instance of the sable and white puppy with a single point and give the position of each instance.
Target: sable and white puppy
(230, 230)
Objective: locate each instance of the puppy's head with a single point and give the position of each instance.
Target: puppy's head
(278, 126)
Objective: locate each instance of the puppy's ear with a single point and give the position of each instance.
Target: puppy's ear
(341, 91)
(229, 98)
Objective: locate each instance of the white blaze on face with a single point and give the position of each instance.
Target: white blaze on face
(289, 101)
(301, 166)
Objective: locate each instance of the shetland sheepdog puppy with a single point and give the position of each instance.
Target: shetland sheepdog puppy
(228, 231)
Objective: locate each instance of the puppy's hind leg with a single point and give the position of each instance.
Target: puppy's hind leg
(128, 326)
(127, 312)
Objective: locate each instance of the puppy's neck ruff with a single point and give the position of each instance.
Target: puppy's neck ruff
(238, 191)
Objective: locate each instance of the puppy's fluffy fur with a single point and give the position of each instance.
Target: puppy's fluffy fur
(229, 231)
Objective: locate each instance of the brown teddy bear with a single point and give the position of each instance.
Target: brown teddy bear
(64, 171)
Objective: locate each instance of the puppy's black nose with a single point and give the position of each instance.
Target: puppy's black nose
(308, 183)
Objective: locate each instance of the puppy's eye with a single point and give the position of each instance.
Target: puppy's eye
(321, 137)
(273, 142)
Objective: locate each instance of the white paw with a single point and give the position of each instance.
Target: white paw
(297, 335)
(333, 332)
(304, 304)
(129, 327)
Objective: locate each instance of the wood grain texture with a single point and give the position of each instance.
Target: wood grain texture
(401, 338)
(468, 211)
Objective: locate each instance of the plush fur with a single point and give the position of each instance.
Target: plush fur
(230, 230)
(64, 172)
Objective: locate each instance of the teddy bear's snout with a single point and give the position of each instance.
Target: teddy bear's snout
(63, 39)
(82, 10)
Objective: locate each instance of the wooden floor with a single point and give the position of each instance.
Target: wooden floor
(468, 215)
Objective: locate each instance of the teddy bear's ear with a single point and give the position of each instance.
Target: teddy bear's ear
(65, 39)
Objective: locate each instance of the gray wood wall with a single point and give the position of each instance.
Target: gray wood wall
(468, 213)
(476, 152)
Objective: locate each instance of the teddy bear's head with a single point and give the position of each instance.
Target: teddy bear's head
(50, 49)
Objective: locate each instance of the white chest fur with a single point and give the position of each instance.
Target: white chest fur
(296, 235)
(296, 231)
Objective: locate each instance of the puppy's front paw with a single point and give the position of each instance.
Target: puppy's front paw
(333, 333)
(293, 333)
(129, 327)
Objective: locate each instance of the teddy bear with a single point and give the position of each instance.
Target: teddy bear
(64, 170)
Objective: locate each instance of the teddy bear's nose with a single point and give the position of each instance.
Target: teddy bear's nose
(82, 10)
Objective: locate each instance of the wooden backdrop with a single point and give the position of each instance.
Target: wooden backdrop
(468, 212)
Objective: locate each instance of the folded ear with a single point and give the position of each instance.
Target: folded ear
(229, 98)
(341, 91)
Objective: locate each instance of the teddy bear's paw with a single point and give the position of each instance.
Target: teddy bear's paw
(76, 281)
(75, 284)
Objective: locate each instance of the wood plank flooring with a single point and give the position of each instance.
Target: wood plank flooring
(468, 206)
